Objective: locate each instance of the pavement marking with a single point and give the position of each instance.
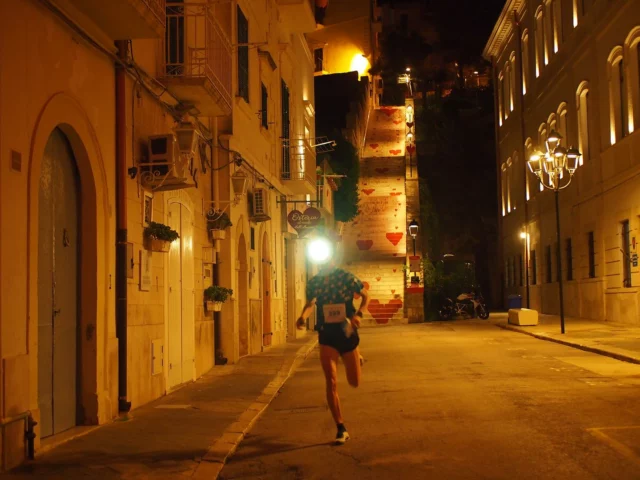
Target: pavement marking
(619, 447)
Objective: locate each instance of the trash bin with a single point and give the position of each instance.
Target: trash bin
(514, 301)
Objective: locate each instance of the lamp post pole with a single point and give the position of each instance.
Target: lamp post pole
(559, 259)
(554, 163)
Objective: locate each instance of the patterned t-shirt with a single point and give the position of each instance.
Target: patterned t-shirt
(337, 286)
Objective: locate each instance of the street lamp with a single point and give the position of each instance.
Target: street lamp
(554, 163)
(524, 235)
(413, 231)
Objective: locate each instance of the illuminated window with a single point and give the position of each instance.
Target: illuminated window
(582, 104)
(543, 133)
(575, 13)
(557, 24)
(548, 31)
(512, 80)
(503, 188)
(506, 96)
(633, 77)
(528, 149)
(525, 62)
(501, 112)
(510, 205)
(618, 106)
(539, 40)
(243, 55)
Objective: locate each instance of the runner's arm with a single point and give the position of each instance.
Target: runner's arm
(306, 311)
(364, 293)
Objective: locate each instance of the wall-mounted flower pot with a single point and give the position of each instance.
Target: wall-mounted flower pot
(218, 234)
(156, 245)
(213, 306)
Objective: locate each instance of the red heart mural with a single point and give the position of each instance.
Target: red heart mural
(395, 194)
(388, 111)
(368, 191)
(381, 312)
(411, 148)
(396, 228)
(364, 244)
(396, 122)
(378, 279)
(394, 270)
(365, 285)
(382, 170)
(395, 254)
(392, 292)
(374, 145)
(395, 152)
(395, 238)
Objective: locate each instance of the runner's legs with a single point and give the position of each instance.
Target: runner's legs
(329, 359)
(353, 366)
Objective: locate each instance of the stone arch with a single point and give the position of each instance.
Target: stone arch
(97, 399)
(242, 285)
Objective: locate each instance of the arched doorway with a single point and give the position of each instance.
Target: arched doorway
(181, 301)
(58, 286)
(243, 303)
(266, 292)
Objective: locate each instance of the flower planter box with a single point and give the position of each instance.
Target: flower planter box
(213, 306)
(156, 245)
(218, 234)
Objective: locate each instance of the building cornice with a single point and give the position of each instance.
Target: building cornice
(503, 28)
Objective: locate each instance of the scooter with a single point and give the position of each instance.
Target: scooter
(466, 305)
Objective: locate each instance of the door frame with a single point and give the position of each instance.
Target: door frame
(97, 401)
(266, 290)
(182, 198)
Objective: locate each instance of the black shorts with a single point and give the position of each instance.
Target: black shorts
(333, 335)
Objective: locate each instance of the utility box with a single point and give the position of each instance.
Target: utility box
(523, 316)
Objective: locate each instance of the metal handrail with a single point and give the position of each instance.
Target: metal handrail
(157, 7)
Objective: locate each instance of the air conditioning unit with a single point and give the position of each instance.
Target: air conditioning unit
(260, 208)
(165, 153)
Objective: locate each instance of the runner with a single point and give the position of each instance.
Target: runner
(332, 290)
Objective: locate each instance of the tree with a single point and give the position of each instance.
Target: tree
(344, 160)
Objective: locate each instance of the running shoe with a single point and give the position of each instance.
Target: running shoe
(342, 436)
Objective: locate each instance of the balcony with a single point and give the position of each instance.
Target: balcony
(298, 16)
(298, 167)
(197, 64)
(126, 19)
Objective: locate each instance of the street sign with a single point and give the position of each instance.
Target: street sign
(303, 223)
(634, 259)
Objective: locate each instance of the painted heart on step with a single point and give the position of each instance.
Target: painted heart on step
(395, 194)
(373, 145)
(364, 244)
(395, 238)
(395, 152)
(368, 191)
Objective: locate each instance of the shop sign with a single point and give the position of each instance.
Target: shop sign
(303, 223)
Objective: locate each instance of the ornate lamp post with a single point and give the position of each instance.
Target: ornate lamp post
(413, 231)
(559, 165)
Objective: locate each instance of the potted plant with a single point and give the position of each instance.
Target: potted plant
(215, 296)
(217, 224)
(158, 237)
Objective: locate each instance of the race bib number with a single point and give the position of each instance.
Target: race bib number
(334, 313)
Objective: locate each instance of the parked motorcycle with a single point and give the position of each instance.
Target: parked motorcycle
(467, 305)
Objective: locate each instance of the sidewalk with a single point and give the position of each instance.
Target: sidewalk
(614, 340)
(187, 434)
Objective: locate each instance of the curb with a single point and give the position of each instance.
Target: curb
(225, 447)
(586, 348)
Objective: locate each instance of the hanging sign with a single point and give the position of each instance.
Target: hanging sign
(303, 223)
(414, 263)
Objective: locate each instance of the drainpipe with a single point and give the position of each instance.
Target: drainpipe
(121, 227)
(498, 190)
(524, 152)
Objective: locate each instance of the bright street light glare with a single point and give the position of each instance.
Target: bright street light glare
(319, 250)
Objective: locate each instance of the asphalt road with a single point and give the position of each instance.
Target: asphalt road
(455, 400)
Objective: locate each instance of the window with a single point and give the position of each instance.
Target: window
(561, 123)
(617, 96)
(264, 108)
(534, 268)
(286, 133)
(557, 24)
(539, 40)
(252, 238)
(525, 62)
(528, 147)
(626, 254)
(633, 79)
(521, 266)
(592, 255)
(318, 59)
(507, 188)
(243, 56)
(582, 103)
(548, 31)
(569, 253)
(506, 96)
(547, 258)
(512, 80)
(501, 99)
(575, 13)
